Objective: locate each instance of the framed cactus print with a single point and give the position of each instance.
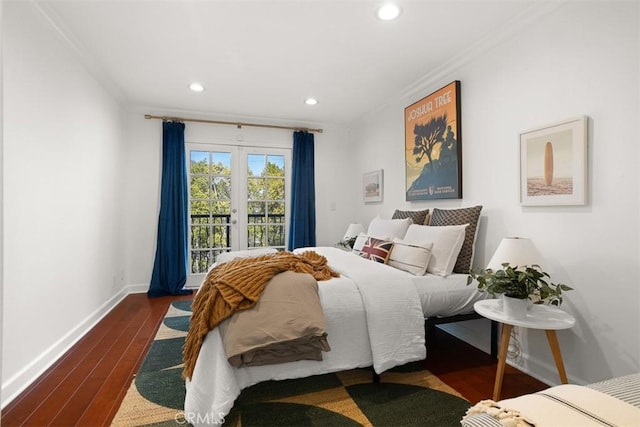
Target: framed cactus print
(433, 147)
(553, 164)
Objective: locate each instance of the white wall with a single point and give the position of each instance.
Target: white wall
(638, 122)
(63, 180)
(581, 59)
(1, 200)
(333, 169)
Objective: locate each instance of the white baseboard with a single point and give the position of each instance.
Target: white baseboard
(140, 288)
(541, 370)
(15, 385)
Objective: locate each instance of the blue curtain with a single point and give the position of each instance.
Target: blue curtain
(302, 230)
(170, 265)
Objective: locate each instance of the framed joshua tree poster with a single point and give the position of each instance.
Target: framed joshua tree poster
(433, 147)
(553, 164)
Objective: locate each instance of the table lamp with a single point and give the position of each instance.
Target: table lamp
(351, 235)
(517, 251)
(353, 230)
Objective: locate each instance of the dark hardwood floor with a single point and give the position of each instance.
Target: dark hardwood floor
(472, 372)
(85, 387)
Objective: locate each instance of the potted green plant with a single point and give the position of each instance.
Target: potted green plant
(525, 283)
(347, 242)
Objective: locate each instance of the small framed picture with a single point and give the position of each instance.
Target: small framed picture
(553, 164)
(372, 185)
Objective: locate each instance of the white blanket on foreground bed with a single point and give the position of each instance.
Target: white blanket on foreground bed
(395, 322)
(373, 317)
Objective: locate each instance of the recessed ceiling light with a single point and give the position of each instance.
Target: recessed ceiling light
(311, 101)
(388, 12)
(196, 87)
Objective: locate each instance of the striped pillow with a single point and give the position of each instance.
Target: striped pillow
(376, 250)
(410, 257)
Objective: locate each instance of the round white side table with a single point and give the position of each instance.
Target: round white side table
(538, 316)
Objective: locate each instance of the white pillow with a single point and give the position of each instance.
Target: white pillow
(388, 229)
(410, 257)
(359, 243)
(447, 241)
(249, 253)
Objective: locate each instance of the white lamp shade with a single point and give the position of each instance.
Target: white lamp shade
(517, 251)
(353, 230)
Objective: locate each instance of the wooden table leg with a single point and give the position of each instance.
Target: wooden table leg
(502, 358)
(557, 356)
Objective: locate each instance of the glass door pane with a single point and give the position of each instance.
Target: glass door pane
(266, 207)
(210, 207)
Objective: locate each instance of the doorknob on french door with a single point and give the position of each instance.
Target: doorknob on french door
(234, 221)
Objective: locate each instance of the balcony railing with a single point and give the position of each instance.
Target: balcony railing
(211, 235)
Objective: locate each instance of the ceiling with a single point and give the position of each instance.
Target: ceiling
(261, 59)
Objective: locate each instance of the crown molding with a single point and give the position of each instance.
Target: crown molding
(434, 78)
(79, 50)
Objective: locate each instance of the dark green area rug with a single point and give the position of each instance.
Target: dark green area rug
(406, 396)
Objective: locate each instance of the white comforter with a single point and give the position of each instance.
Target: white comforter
(373, 317)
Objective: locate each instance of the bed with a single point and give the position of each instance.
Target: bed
(614, 402)
(375, 316)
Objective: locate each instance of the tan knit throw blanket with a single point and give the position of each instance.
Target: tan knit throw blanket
(237, 285)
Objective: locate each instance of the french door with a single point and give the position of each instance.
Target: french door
(238, 199)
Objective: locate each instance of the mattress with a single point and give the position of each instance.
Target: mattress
(446, 296)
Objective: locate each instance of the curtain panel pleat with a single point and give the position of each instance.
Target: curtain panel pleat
(302, 229)
(171, 260)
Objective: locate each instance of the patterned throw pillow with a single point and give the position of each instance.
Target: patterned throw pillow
(376, 250)
(418, 217)
(410, 257)
(458, 217)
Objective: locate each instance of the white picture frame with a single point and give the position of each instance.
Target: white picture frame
(373, 186)
(553, 164)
